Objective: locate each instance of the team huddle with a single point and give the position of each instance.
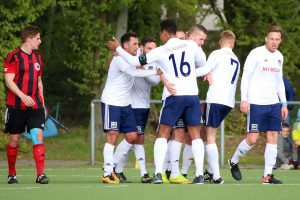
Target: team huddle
(178, 63)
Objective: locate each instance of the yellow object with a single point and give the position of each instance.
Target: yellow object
(107, 180)
(164, 178)
(296, 133)
(136, 165)
(179, 180)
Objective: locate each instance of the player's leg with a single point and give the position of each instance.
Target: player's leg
(119, 167)
(35, 125)
(192, 117)
(139, 152)
(12, 153)
(141, 116)
(160, 150)
(15, 126)
(178, 138)
(256, 122)
(111, 120)
(187, 155)
(172, 109)
(273, 128)
(166, 169)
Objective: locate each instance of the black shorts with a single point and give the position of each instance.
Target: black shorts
(17, 120)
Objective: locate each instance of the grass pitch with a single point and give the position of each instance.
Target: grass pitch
(84, 183)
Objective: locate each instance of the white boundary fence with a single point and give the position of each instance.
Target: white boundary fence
(222, 127)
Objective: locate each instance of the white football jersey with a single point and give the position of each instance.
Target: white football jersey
(178, 60)
(140, 93)
(262, 80)
(120, 81)
(225, 69)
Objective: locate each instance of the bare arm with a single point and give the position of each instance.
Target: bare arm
(41, 88)
(10, 84)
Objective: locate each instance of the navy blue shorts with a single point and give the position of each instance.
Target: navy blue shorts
(176, 106)
(215, 114)
(141, 117)
(262, 118)
(118, 118)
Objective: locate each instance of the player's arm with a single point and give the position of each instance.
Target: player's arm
(11, 85)
(170, 86)
(201, 66)
(282, 97)
(41, 88)
(153, 80)
(130, 59)
(249, 67)
(140, 72)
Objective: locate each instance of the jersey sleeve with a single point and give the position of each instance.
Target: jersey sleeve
(10, 64)
(139, 72)
(200, 58)
(153, 80)
(41, 65)
(249, 67)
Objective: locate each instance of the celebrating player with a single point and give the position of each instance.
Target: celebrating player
(117, 114)
(262, 89)
(179, 61)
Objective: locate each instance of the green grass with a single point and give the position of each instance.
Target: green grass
(84, 183)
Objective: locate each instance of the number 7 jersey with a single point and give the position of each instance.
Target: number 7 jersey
(225, 69)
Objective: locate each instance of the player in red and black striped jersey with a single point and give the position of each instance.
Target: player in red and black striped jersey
(25, 101)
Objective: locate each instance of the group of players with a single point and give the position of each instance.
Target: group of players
(126, 102)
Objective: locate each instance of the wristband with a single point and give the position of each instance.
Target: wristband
(284, 103)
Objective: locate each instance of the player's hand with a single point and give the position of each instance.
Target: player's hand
(171, 88)
(208, 78)
(244, 107)
(284, 112)
(158, 71)
(113, 44)
(27, 100)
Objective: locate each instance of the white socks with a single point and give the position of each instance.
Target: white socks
(167, 164)
(139, 152)
(119, 167)
(270, 158)
(212, 157)
(175, 157)
(108, 155)
(121, 151)
(241, 151)
(198, 152)
(187, 158)
(160, 150)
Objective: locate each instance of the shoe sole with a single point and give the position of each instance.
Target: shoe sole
(45, 181)
(157, 182)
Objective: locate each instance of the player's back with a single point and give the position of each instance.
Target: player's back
(118, 84)
(225, 72)
(177, 59)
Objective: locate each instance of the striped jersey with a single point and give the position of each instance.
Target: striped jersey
(27, 68)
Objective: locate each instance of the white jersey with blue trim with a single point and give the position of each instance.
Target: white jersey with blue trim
(262, 81)
(140, 93)
(119, 82)
(225, 69)
(178, 60)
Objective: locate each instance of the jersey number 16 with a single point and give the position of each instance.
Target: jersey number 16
(182, 64)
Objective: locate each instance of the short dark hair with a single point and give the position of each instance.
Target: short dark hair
(29, 32)
(169, 26)
(202, 28)
(126, 37)
(148, 39)
(285, 125)
(274, 28)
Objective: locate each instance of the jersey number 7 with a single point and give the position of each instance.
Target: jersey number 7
(236, 63)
